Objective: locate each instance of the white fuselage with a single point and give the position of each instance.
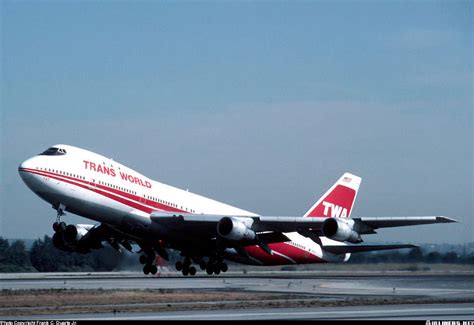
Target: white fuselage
(101, 189)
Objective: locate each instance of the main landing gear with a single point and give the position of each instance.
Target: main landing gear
(185, 267)
(147, 259)
(213, 266)
(216, 267)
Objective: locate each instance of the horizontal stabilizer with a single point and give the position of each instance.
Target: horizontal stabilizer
(363, 248)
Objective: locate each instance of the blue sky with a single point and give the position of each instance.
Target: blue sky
(257, 104)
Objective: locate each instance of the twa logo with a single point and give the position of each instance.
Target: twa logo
(335, 210)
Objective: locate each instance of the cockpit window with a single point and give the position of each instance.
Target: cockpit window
(53, 152)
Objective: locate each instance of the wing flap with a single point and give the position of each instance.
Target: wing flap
(363, 248)
(287, 224)
(272, 237)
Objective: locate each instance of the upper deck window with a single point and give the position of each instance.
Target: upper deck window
(53, 152)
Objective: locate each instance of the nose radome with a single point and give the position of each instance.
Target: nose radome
(24, 169)
(25, 165)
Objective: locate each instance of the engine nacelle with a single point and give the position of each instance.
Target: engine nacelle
(236, 229)
(74, 233)
(340, 230)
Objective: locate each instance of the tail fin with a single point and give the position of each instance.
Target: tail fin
(338, 201)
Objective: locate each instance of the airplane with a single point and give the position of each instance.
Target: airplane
(132, 209)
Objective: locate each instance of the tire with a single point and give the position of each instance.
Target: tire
(56, 226)
(143, 259)
(185, 271)
(224, 267)
(153, 269)
(58, 240)
(217, 271)
(62, 225)
(146, 269)
(179, 266)
(209, 270)
(192, 270)
(202, 265)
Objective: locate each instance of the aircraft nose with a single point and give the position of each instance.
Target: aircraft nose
(26, 164)
(24, 169)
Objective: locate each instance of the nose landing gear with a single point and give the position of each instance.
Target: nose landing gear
(59, 225)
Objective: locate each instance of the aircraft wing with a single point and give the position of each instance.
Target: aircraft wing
(364, 225)
(83, 238)
(186, 221)
(269, 229)
(367, 225)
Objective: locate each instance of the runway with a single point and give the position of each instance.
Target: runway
(385, 312)
(448, 286)
(298, 295)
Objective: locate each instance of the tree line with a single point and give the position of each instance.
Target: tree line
(44, 257)
(415, 255)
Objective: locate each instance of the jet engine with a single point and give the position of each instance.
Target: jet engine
(236, 229)
(74, 233)
(340, 230)
(73, 239)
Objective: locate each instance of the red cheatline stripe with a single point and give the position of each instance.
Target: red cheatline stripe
(132, 197)
(298, 255)
(87, 187)
(129, 200)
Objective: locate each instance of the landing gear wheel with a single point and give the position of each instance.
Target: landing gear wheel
(146, 269)
(153, 269)
(185, 271)
(62, 226)
(223, 267)
(59, 226)
(187, 262)
(202, 265)
(58, 240)
(192, 270)
(179, 266)
(209, 270)
(217, 271)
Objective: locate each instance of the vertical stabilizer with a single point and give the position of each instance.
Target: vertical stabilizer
(338, 201)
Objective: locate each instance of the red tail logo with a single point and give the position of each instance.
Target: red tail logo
(337, 202)
(334, 211)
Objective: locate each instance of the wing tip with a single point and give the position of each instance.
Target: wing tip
(444, 219)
